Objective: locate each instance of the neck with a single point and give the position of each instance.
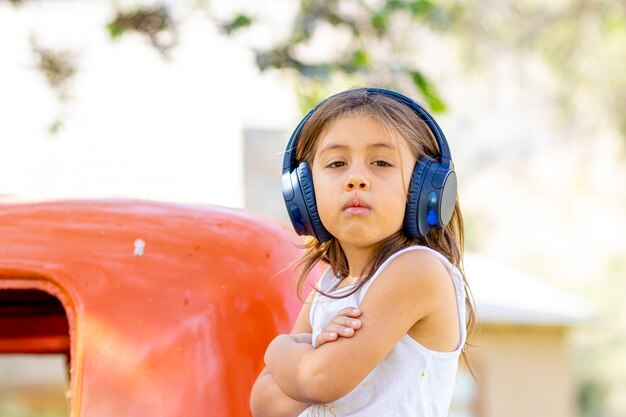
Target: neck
(357, 257)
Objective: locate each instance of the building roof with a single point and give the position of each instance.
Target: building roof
(506, 295)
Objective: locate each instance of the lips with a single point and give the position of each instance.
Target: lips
(355, 202)
(356, 206)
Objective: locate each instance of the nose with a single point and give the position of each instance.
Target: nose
(357, 182)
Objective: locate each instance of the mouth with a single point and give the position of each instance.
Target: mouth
(356, 206)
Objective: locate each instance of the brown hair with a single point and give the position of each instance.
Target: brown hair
(394, 117)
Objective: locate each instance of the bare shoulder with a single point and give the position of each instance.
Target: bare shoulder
(415, 278)
(437, 327)
(418, 269)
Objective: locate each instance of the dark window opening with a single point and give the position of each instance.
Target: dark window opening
(34, 354)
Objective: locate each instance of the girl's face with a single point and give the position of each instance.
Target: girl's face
(359, 163)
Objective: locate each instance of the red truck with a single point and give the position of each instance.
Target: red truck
(162, 309)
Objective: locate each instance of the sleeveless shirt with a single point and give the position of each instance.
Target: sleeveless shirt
(411, 381)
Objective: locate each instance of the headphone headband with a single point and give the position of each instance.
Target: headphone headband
(289, 162)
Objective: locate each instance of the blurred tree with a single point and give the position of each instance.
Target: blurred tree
(371, 28)
(377, 45)
(155, 22)
(583, 44)
(582, 41)
(599, 359)
(58, 66)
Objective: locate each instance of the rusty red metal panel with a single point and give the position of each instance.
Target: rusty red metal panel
(169, 307)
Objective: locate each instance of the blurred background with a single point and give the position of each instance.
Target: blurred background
(194, 101)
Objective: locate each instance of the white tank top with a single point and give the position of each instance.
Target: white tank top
(411, 380)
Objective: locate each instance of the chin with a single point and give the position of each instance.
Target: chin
(357, 240)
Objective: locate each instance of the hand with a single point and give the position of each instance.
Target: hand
(344, 324)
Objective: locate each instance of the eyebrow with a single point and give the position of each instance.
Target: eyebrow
(339, 146)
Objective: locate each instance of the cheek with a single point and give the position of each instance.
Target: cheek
(326, 212)
(321, 190)
(406, 176)
(399, 201)
(323, 199)
(403, 184)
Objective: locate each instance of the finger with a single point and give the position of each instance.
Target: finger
(344, 331)
(346, 322)
(325, 337)
(349, 312)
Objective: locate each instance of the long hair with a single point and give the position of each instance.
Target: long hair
(395, 117)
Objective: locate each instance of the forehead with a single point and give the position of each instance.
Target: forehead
(359, 132)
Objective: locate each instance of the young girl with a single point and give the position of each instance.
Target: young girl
(368, 174)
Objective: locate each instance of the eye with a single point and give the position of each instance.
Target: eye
(333, 164)
(382, 164)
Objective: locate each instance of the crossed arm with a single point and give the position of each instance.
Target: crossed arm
(266, 398)
(279, 404)
(304, 375)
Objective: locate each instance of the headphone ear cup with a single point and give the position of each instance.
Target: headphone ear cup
(308, 193)
(411, 221)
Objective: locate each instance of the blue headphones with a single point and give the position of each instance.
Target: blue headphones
(432, 191)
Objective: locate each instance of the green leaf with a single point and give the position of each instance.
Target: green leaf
(115, 30)
(435, 102)
(240, 21)
(421, 7)
(309, 93)
(380, 22)
(360, 58)
(55, 127)
(395, 4)
(358, 61)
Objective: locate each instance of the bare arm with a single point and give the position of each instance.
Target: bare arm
(266, 398)
(344, 325)
(389, 310)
